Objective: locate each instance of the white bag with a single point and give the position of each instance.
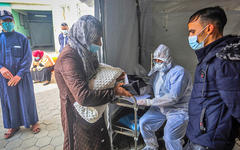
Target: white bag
(105, 78)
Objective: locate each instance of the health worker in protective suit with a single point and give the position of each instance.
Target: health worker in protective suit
(172, 88)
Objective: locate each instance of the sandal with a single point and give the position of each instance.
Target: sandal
(36, 129)
(10, 133)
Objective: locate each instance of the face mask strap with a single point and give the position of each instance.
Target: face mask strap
(202, 30)
(205, 38)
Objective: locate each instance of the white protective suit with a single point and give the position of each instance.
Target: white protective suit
(172, 89)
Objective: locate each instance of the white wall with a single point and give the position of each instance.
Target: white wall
(62, 11)
(67, 11)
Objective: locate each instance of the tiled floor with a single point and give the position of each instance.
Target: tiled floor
(51, 135)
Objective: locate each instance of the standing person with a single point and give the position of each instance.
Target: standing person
(214, 109)
(76, 65)
(172, 89)
(16, 87)
(63, 36)
(42, 67)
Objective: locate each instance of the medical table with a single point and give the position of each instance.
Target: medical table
(118, 129)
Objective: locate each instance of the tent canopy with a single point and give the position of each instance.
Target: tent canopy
(161, 21)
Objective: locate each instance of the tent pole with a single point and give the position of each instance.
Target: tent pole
(99, 14)
(139, 33)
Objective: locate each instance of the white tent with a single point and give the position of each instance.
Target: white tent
(129, 43)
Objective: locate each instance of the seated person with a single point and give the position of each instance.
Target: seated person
(42, 66)
(172, 89)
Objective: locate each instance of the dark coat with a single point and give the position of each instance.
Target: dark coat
(73, 86)
(214, 107)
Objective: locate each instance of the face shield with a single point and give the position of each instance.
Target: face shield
(162, 54)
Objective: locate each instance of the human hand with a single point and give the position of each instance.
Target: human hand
(14, 81)
(121, 91)
(121, 77)
(39, 68)
(6, 73)
(145, 102)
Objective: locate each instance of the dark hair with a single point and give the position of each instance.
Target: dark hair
(64, 24)
(215, 15)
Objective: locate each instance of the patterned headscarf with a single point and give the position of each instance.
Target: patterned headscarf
(82, 34)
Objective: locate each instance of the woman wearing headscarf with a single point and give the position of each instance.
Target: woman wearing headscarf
(172, 89)
(76, 65)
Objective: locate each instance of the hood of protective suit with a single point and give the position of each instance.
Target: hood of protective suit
(161, 53)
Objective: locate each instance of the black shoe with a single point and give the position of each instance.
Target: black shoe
(46, 83)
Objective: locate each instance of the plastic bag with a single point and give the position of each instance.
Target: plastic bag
(128, 121)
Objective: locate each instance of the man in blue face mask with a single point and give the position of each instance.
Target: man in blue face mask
(193, 40)
(8, 25)
(63, 36)
(7, 21)
(16, 87)
(214, 107)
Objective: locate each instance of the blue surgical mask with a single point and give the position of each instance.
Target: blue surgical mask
(8, 26)
(193, 41)
(37, 58)
(94, 48)
(65, 32)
